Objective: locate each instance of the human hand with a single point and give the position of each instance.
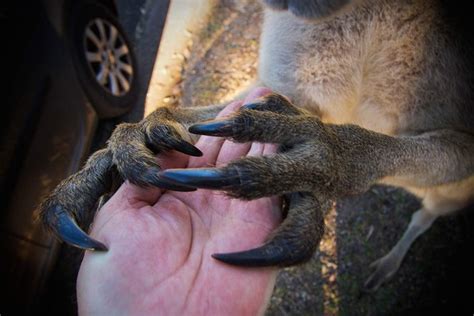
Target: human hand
(160, 244)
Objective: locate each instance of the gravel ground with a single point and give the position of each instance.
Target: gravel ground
(360, 229)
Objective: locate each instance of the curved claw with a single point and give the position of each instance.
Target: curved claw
(185, 147)
(167, 185)
(258, 257)
(221, 128)
(205, 178)
(152, 177)
(294, 242)
(67, 230)
(273, 253)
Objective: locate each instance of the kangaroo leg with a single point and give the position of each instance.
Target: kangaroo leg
(437, 202)
(325, 159)
(387, 266)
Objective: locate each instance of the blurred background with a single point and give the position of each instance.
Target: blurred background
(74, 69)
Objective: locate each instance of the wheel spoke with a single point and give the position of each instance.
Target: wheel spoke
(91, 36)
(100, 27)
(113, 84)
(125, 67)
(93, 57)
(102, 75)
(113, 36)
(123, 81)
(122, 50)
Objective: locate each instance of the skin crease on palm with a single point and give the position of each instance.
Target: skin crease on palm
(160, 244)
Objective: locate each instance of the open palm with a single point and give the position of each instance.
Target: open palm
(160, 245)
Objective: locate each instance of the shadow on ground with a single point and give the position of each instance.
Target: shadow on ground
(435, 276)
(437, 273)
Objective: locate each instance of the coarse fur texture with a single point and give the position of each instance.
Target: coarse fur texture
(380, 90)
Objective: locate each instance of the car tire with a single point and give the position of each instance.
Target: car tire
(104, 59)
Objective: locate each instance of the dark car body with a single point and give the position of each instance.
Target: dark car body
(48, 126)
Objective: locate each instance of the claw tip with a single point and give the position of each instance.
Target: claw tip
(221, 128)
(249, 258)
(68, 230)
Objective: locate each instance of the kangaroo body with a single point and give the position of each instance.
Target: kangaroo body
(393, 67)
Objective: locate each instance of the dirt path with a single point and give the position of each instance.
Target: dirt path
(221, 63)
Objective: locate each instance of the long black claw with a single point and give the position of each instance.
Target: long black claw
(294, 242)
(67, 229)
(168, 185)
(186, 148)
(267, 255)
(222, 128)
(152, 177)
(201, 178)
(258, 257)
